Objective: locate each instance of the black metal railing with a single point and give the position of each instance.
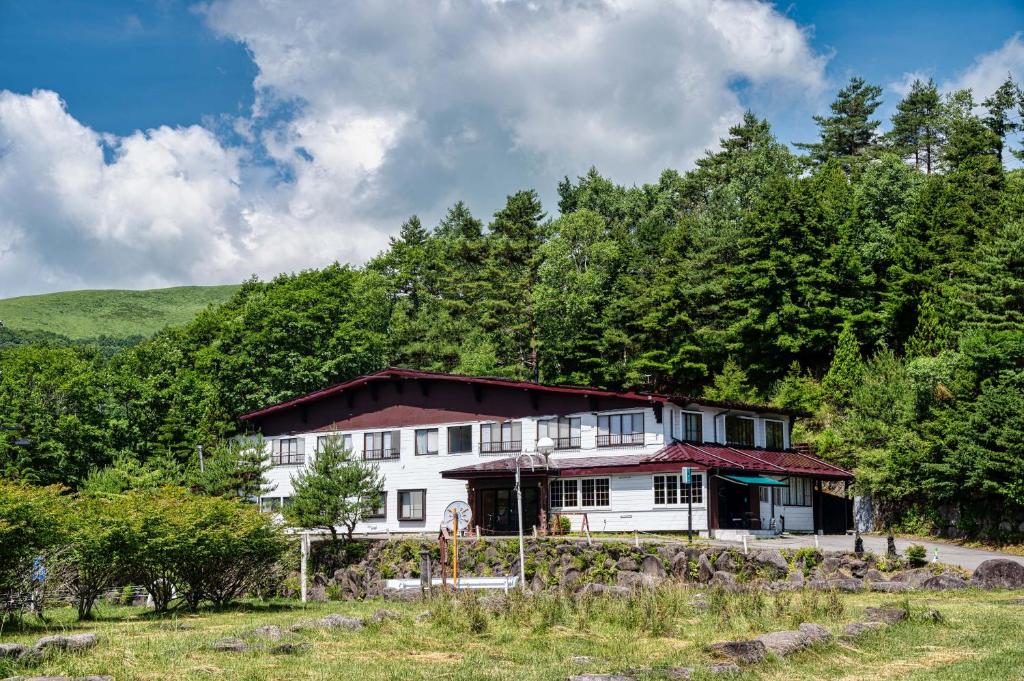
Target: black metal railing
(381, 454)
(498, 447)
(287, 459)
(567, 442)
(620, 440)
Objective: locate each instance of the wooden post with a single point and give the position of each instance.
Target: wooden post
(304, 544)
(455, 559)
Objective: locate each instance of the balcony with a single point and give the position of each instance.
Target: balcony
(566, 442)
(381, 454)
(501, 447)
(620, 439)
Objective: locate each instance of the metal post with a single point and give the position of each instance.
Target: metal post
(302, 565)
(202, 468)
(522, 551)
(455, 544)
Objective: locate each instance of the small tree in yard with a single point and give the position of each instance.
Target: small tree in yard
(234, 468)
(338, 490)
(91, 557)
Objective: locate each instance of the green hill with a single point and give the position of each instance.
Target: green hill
(119, 314)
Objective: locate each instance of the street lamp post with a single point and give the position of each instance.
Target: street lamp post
(545, 446)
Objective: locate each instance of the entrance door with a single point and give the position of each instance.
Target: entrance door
(734, 506)
(499, 512)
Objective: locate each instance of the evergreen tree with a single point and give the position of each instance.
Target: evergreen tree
(731, 385)
(1001, 117)
(916, 125)
(849, 133)
(845, 368)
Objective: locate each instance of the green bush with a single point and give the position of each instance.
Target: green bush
(917, 555)
(30, 525)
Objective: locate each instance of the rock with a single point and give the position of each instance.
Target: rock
(491, 553)
(651, 566)
(934, 616)
(783, 643)
(627, 563)
(887, 615)
(875, 575)
(271, 632)
(385, 614)
(727, 562)
(340, 622)
(891, 587)
(678, 673)
(78, 642)
(857, 568)
(796, 578)
(944, 582)
(596, 589)
(723, 668)
(229, 645)
(771, 560)
(423, 616)
(746, 652)
(48, 643)
(681, 566)
(912, 577)
(723, 579)
(855, 629)
(569, 579)
(815, 633)
(404, 595)
(704, 568)
(12, 651)
(601, 677)
(317, 594)
(629, 580)
(831, 564)
(581, 659)
(845, 585)
(999, 573)
(287, 648)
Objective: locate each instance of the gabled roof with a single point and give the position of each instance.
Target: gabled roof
(395, 372)
(673, 457)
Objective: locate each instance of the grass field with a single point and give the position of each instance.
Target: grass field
(121, 314)
(537, 639)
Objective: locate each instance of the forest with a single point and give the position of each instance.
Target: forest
(873, 278)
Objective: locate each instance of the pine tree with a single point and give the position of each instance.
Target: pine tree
(845, 368)
(916, 124)
(849, 132)
(1002, 106)
(731, 385)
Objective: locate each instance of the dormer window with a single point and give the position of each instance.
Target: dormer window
(739, 430)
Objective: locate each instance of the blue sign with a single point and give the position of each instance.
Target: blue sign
(686, 475)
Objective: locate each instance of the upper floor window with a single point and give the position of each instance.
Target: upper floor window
(426, 441)
(386, 445)
(344, 440)
(620, 429)
(564, 431)
(460, 439)
(288, 451)
(739, 430)
(669, 489)
(501, 437)
(773, 437)
(693, 427)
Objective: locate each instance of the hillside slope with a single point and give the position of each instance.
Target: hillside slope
(116, 313)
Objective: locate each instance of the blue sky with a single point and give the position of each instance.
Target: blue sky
(173, 142)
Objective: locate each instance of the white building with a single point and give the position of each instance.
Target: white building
(618, 458)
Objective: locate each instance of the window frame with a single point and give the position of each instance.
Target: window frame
(684, 429)
(578, 492)
(564, 443)
(609, 438)
(782, 434)
(382, 453)
(322, 439)
(437, 442)
(382, 508)
(753, 430)
(294, 458)
(500, 446)
(806, 489)
(678, 488)
(423, 506)
(469, 450)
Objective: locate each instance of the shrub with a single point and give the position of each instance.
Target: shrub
(93, 551)
(30, 525)
(917, 555)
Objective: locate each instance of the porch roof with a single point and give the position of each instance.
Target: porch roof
(669, 458)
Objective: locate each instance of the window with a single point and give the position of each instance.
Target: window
(669, 490)
(565, 494)
(739, 430)
(501, 437)
(322, 440)
(270, 504)
(773, 438)
(426, 441)
(799, 492)
(289, 451)
(460, 439)
(693, 427)
(381, 511)
(565, 431)
(580, 493)
(765, 494)
(620, 429)
(412, 504)
(384, 445)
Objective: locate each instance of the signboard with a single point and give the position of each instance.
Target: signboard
(686, 478)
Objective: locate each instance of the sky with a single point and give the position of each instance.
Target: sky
(148, 144)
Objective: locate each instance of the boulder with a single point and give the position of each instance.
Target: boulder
(384, 615)
(855, 629)
(912, 577)
(796, 578)
(887, 615)
(848, 585)
(783, 643)
(12, 651)
(727, 562)
(596, 589)
(651, 566)
(271, 632)
(78, 642)
(317, 593)
(628, 564)
(815, 633)
(340, 622)
(629, 580)
(831, 564)
(771, 560)
(287, 648)
(678, 673)
(999, 573)
(569, 579)
(857, 568)
(704, 568)
(723, 579)
(891, 587)
(875, 575)
(49, 643)
(944, 582)
(745, 652)
(229, 645)
(681, 566)
(723, 668)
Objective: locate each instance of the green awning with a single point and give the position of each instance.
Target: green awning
(755, 480)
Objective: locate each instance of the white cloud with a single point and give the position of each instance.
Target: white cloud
(989, 70)
(366, 112)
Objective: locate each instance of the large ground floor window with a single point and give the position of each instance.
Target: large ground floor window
(669, 490)
(573, 493)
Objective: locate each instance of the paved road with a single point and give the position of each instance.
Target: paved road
(948, 553)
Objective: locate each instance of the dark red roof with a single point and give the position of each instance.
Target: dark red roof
(393, 372)
(672, 457)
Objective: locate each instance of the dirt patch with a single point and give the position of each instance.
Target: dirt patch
(436, 657)
(892, 669)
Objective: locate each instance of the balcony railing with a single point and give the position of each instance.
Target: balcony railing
(499, 447)
(381, 454)
(287, 459)
(566, 442)
(620, 440)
